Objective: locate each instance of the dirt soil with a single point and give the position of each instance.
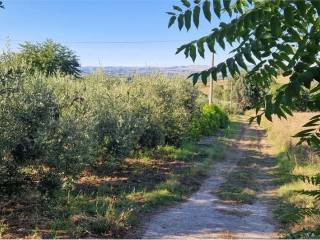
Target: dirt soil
(204, 215)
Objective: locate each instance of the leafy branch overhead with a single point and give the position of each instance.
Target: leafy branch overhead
(268, 38)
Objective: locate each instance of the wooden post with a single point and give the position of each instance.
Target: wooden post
(211, 84)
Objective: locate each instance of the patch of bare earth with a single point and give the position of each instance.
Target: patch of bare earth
(204, 215)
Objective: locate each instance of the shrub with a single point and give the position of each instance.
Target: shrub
(37, 133)
(61, 124)
(171, 102)
(144, 112)
(152, 136)
(12, 180)
(49, 184)
(119, 127)
(209, 120)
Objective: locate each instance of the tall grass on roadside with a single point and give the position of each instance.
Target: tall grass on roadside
(294, 161)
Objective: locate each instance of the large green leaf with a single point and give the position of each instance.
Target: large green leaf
(269, 107)
(247, 55)
(195, 77)
(206, 10)
(289, 15)
(226, 4)
(275, 26)
(214, 74)
(187, 19)
(210, 43)
(286, 48)
(171, 21)
(196, 15)
(200, 46)
(177, 8)
(193, 52)
(204, 77)
(180, 21)
(217, 8)
(220, 40)
(278, 37)
(240, 61)
(186, 3)
(231, 67)
(222, 67)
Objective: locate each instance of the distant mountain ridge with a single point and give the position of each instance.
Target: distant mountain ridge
(126, 71)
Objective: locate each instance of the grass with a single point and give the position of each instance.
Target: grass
(293, 160)
(180, 172)
(240, 186)
(111, 204)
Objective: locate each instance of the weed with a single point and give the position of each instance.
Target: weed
(3, 228)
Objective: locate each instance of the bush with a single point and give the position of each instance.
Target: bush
(12, 180)
(142, 113)
(49, 184)
(61, 124)
(209, 120)
(38, 134)
(171, 102)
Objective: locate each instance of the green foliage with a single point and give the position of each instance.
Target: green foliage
(246, 93)
(238, 95)
(12, 73)
(12, 180)
(50, 58)
(209, 120)
(49, 184)
(314, 180)
(145, 112)
(290, 214)
(311, 133)
(61, 124)
(38, 133)
(269, 36)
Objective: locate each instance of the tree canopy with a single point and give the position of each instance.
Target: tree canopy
(50, 58)
(275, 36)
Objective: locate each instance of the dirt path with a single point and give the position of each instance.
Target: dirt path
(204, 215)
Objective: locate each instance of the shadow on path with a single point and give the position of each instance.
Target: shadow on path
(204, 215)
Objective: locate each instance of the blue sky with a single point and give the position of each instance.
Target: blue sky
(72, 21)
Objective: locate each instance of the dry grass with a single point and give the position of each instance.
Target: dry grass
(107, 204)
(293, 160)
(281, 131)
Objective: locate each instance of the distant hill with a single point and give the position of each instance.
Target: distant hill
(126, 71)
